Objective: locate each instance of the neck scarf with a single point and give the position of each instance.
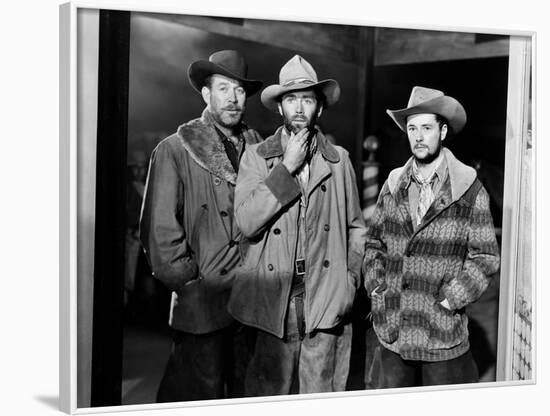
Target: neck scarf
(426, 195)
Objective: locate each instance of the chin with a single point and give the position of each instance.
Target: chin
(229, 121)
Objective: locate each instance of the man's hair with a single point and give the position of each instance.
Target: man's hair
(441, 121)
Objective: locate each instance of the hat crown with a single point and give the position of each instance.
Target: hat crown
(230, 60)
(420, 95)
(297, 70)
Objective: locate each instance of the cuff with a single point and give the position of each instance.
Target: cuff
(282, 184)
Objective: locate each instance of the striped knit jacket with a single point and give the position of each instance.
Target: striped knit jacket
(452, 254)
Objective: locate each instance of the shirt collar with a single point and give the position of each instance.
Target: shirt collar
(438, 174)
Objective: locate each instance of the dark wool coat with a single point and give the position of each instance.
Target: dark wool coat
(187, 227)
(451, 255)
(267, 205)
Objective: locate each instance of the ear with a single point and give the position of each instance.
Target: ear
(205, 91)
(320, 111)
(443, 132)
(280, 109)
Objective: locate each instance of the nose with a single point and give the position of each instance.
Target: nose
(299, 107)
(232, 97)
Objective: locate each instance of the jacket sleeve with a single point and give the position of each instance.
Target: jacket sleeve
(482, 258)
(375, 248)
(259, 195)
(161, 230)
(355, 223)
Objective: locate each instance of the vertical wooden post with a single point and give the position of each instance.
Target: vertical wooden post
(516, 134)
(114, 36)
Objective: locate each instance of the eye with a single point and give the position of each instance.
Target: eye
(240, 91)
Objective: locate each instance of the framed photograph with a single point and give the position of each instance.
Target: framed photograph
(126, 86)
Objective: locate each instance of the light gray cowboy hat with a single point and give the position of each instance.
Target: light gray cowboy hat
(229, 63)
(298, 74)
(427, 100)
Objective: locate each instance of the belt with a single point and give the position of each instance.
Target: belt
(297, 292)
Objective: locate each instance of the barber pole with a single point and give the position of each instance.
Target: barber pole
(370, 178)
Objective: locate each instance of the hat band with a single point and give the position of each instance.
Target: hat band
(298, 81)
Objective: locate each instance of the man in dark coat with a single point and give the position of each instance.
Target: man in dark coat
(190, 237)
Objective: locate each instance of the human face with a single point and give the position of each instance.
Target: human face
(225, 99)
(299, 109)
(425, 137)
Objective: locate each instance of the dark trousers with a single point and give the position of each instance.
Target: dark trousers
(207, 366)
(314, 363)
(386, 369)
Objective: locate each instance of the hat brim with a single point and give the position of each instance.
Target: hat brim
(445, 106)
(200, 70)
(329, 87)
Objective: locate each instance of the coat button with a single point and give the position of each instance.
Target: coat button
(217, 181)
(204, 206)
(270, 267)
(276, 231)
(327, 227)
(223, 213)
(326, 263)
(323, 188)
(406, 286)
(232, 243)
(223, 272)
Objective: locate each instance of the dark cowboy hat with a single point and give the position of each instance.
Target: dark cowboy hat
(298, 74)
(228, 63)
(427, 100)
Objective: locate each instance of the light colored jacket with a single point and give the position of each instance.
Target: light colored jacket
(267, 203)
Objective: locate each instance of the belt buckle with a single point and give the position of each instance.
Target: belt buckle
(300, 267)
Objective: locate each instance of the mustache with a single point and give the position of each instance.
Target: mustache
(232, 108)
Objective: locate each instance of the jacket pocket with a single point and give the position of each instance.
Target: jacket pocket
(379, 315)
(198, 225)
(447, 328)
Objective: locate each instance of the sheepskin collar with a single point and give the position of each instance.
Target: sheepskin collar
(201, 140)
(461, 176)
(272, 147)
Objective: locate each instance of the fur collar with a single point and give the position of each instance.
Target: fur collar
(272, 147)
(202, 142)
(461, 176)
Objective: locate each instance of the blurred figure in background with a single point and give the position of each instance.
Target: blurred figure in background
(137, 173)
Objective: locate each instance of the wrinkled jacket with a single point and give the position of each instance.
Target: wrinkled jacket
(267, 199)
(452, 254)
(187, 227)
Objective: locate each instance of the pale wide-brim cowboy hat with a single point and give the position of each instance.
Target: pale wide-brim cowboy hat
(297, 74)
(228, 63)
(427, 100)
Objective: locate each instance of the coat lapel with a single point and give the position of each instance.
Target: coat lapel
(442, 200)
(202, 142)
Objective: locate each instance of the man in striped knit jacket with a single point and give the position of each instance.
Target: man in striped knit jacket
(430, 251)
